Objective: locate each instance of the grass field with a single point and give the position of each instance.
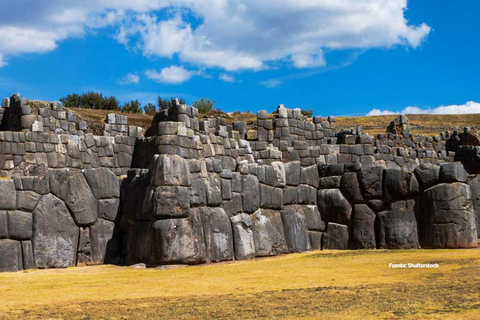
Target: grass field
(326, 284)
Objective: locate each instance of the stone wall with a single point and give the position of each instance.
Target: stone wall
(195, 191)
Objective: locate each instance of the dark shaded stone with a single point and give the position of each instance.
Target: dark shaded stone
(81, 201)
(165, 202)
(447, 218)
(105, 242)
(336, 237)
(363, 227)
(333, 206)
(218, 234)
(58, 181)
(8, 200)
(19, 225)
(371, 180)
(351, 187)
(268, 233)
(475, 190)
(315, 239)
(103, 183)
(295, 229)
(55, 235)
(170, 170)
(397, 183)
(428, 174)
(453, 172)
(397, 228)
(10, 255)
(27, 254)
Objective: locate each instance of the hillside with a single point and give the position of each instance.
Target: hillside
(421, 124)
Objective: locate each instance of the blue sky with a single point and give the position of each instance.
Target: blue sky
(344, 57)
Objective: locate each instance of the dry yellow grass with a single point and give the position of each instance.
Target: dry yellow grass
(424, 124)
(327, 284)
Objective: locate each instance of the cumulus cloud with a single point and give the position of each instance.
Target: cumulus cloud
(467, 108)
(227, 34)
(130, 78)
(171, 75)
(227, 77)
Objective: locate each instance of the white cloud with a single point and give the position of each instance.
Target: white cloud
(227, 77)
(227, 34)
(130, 78)
(467, 108)
(171, 75)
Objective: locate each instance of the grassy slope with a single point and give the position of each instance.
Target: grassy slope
(326, 284)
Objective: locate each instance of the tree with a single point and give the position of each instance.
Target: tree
(307, 112)
(150, 109)
(71, 100)
(204, 105)
(90, 99)
(133, 106)
(163, 104)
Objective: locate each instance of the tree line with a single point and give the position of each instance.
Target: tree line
(96, 100)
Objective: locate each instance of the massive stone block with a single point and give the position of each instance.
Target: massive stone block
(140, 243)
(447, 217)
(8, 199)
(243, 237)
(103, 183)
(250, 193)
(10, 255)
(296, 229)
(19, 225)
(179, 240)
(105, 242)
(55, 235)
(213, 189)
(363, 225)
(170, 170)
(81, 201)
(475, 190)
(371, 180)
(397, 183)
(268, 233)
(397, 228)
(218, 234)
(336, 237)
(333, 206)
(58, 181)
(198, 195)
(453, 172)
(27, 200)
(165, 202)
(428, 175)
(351, 187)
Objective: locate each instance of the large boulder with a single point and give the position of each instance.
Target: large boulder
(81, 201)
(103, 183)
(453, 172)
(371, 180)
(292, 173)
(363, 227)
(336, 237)
(351, 187)
(58, 181)
(166, 202)
(19, 225)
(397, 183)
(333, 206)
(296, 229)
(104, 242)
(250, 193)
(170, 170)
(218, 233)
(198, 195)
(428, 174)
(179, 240)
(475, 190)
(243, 236)
(268, 234)
(55, 235)
(397, 228)
(447, 217)
(8, 200)
(10, 255)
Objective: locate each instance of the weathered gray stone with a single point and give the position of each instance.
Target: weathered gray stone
(447, 218)
(333, 206)
(475, 190)
(170, 170)
(428, 175)
(213, 189)
(268, 234)
(371, 180)
(351, 188)
(165, 202)
(10, 255)
(397, 183)
(27, 200)
(453, 172)
(81, 201)
(279, 170)
(179, 240)
(103, 183)
(397, 228)
(336, 237)
(19, 225)
(3, 224)
(243, 237)
(8, 200)
(250, 193)
(296, 229)
(363, 225)
(233, 206)
(27, 253)
(105, 242)
(315, 239)
(58, 181)
(292, 173)
(218, 234)
(55, 235)
(108, 208)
